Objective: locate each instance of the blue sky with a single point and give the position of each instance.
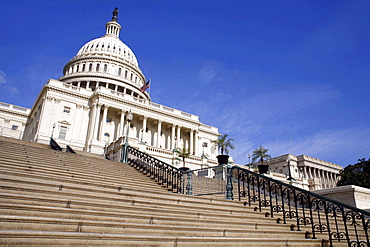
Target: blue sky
(292, 76)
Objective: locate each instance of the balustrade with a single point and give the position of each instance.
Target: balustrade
(307, 211)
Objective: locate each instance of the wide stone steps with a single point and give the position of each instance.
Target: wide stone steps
(50, 238)
(51, 198)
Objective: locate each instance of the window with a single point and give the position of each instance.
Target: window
(67, 109)
(62, 132)
(83, 67)
(119, 71)
(14, 127)
(90, 67)
(105, 68)
(106, 138)
(97, 67)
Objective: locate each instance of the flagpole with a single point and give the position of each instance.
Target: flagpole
(150, 86)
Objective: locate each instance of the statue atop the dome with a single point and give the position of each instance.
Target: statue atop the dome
(115, 13)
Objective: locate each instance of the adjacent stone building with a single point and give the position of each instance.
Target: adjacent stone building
(314, 174)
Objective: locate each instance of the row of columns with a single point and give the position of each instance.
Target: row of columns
(328, 179)
(104, 67)
(97, 129)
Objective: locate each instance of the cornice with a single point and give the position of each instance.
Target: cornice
(67, 92)
(13, 112)
(146, 108)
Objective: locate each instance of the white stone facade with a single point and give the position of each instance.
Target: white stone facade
(87, 107)
(12, 120)
(318, 174)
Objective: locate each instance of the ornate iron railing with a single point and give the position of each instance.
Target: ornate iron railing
(54, 145)
(320, 217)
(164, 174)
(306, 210)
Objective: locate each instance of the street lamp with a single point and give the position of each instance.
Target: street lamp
(52, 133)
(289, 173)
(173, 151)
(129, 120)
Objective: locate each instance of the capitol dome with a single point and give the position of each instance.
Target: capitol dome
(109, 45)
(106, 62)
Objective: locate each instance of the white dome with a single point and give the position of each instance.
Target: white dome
(108, 45)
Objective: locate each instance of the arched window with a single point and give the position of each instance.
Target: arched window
(83, 67)
(90, 66)
(105, 68)
(125, 74)
(119, 71)
(97, 67)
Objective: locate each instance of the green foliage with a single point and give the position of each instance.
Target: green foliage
(357, 174)
(260, 154)
(223, 144)
(183, 153)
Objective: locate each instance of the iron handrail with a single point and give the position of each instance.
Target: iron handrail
(340, 221)
(164, 174)
(54, 145)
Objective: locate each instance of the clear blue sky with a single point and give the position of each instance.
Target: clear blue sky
(292, 76)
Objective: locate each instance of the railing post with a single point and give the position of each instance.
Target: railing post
(229, 184)
(189, 186)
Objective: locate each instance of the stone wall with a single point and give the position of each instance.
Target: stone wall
(349, 194)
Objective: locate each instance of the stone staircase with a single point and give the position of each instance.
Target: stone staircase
(52, 198)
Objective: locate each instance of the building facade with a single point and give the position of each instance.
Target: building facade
(87, 107)
(314, 174)
(13, 120)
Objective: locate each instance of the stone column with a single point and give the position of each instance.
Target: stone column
(96, 121)
(173, 137)
(333, 180)
(103, 122)
(191, 141)
(159, 130)
(121, 124)
(145, 119)
(91, 122)
(309, 174)
(178, 137)
(196, 144)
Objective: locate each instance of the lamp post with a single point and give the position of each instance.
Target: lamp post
(129, 120)
(52, 133)
(173, 152)
(249, 157)
(289, 173)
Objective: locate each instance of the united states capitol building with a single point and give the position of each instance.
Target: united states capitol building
(88, 108)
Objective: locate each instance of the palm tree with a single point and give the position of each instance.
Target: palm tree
(223, 144)
(183, 153)
(260, 154)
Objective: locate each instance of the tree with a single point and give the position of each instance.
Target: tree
(223, 144)
(183, 153)
(260, 154)
(357, 174)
